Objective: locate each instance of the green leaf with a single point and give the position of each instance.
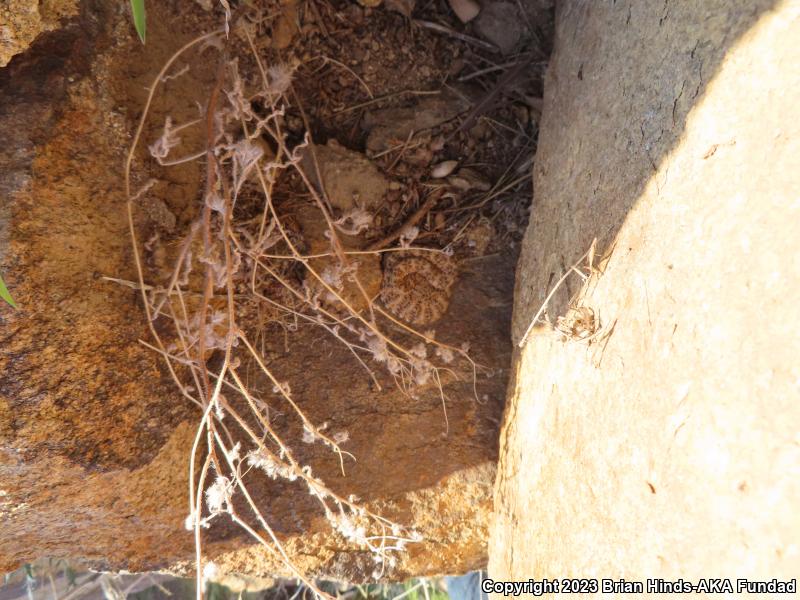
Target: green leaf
(4, 293)
(137, 7)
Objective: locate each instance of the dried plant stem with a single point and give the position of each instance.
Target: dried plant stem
(276, 545)
(550, 295)
(129, 203)
(328, 59)
(387, 97)
(415, 218)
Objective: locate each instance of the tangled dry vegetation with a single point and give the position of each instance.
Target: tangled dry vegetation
(244, 263)
(274, 243)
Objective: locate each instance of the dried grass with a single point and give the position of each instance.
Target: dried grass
(232, 262)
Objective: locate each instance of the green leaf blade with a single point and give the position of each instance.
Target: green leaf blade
(139, 21)
(5, 295)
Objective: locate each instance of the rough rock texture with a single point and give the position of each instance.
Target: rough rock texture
(390, 127)
(350, 178)
(367, 266)
(501, 24)
(21, 21)
(669, 449)
(94, 439)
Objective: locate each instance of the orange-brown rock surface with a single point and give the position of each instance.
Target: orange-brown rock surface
(21, 21)
(94, 437)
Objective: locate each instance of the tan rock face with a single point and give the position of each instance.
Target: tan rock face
(390, 127)
(668, 448)
(350, 178)
(21, 21)
(357, 284)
